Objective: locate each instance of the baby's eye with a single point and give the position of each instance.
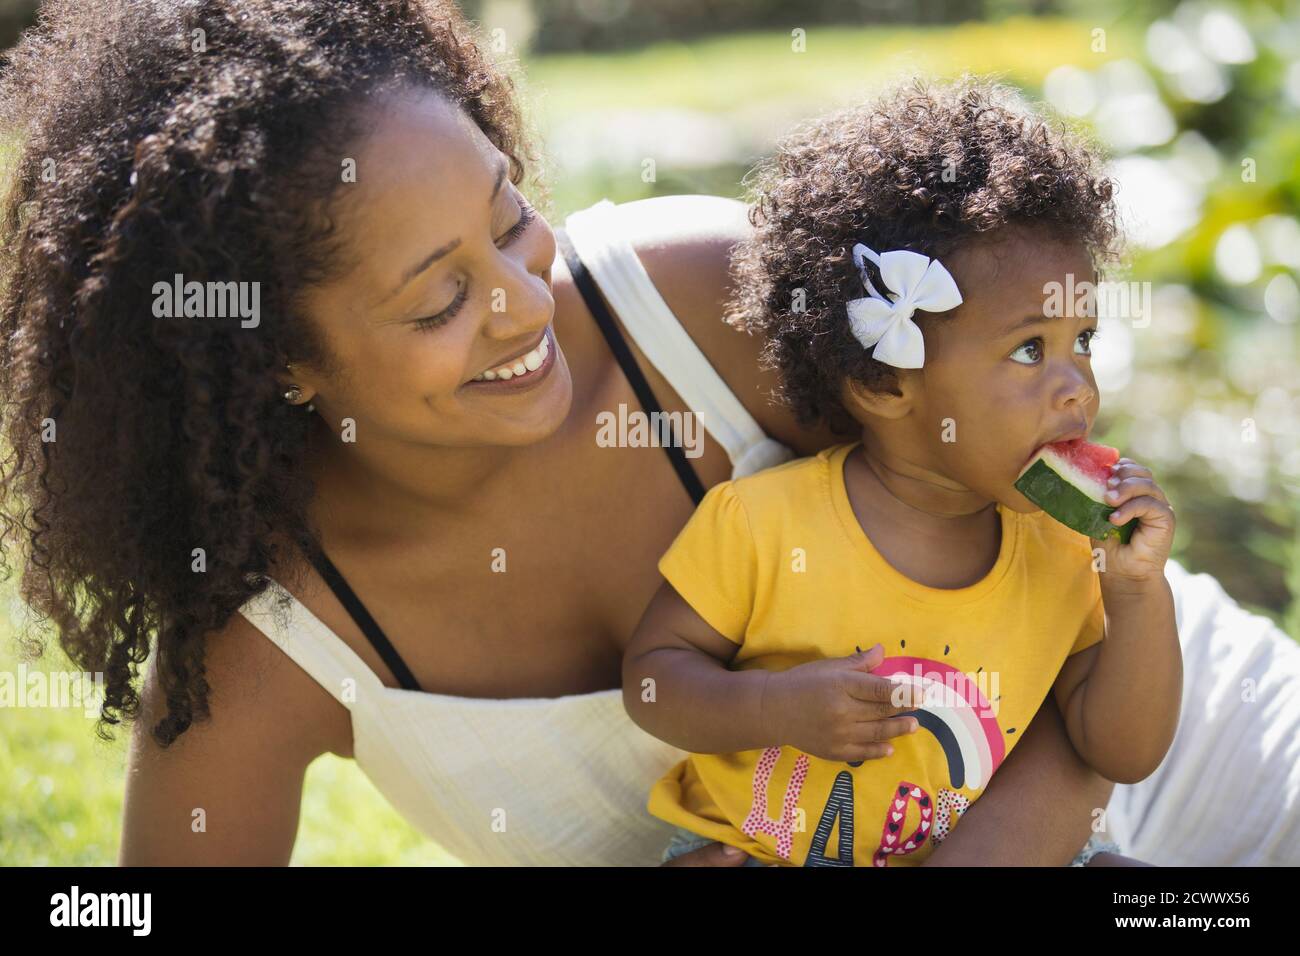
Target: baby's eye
(1088, 335)
(1035, 345)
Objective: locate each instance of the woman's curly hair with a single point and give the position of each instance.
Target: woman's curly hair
(148, 138)
(926, 167)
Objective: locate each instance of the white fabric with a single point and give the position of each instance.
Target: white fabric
(528, 781)
(636, 302)
(1228, 791)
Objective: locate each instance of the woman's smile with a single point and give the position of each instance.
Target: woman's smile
(521, 373)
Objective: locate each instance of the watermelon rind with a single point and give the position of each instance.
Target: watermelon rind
(1065, 501)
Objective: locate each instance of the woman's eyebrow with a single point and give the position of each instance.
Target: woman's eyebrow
(441, 251)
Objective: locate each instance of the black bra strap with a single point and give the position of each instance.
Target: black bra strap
(605, 319)
(348, 598)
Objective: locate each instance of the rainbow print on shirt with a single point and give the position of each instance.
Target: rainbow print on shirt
(964, 724)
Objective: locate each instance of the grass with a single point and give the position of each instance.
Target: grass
(61, 791)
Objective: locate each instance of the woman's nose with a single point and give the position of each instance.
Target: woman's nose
(522, 302)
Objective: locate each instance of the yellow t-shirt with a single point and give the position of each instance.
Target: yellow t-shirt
(778, 563)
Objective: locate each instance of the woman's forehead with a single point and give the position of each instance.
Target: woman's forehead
(421, 141)
(424, 172)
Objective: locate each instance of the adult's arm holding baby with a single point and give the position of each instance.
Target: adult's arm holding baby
(1037, 809)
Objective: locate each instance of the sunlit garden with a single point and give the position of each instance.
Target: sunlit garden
(1200, 107)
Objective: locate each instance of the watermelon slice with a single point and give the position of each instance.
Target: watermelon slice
(1067, 479)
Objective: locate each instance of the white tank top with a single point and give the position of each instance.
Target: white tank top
(548, 781)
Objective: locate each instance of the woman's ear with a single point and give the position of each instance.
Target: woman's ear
(864, 404)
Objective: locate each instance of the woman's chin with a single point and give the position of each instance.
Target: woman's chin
(527, 417)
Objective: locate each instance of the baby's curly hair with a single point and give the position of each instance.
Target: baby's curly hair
(926, 167)
(139, 148)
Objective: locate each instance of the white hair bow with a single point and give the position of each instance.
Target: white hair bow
(919, 283)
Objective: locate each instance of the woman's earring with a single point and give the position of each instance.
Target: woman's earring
(293, 395)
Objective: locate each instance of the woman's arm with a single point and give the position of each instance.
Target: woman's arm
(1038, 808)
(227, 792)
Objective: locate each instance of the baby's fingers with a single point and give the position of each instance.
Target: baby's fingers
(877, 730)
(880, 690)
(1152, 511)
(859, 752)
(871, 738)
(1128, 488)
(1127, 467)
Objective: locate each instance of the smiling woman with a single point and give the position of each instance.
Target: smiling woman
(436, 321)
(221, 188)
(359, 527)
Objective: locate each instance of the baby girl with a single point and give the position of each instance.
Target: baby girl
(849, 645)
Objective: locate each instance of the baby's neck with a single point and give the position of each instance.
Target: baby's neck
(931, 547)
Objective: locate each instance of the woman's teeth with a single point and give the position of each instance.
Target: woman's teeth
(520, 366)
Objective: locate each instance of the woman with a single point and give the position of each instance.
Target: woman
(333, 448)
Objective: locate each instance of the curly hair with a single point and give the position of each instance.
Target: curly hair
(200, 137)
(927, 168)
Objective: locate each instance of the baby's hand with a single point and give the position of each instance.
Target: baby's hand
(835, 709)
(1136, 495)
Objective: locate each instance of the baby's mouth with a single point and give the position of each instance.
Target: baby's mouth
(1076, 434)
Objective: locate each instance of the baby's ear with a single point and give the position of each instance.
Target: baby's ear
(864, 403)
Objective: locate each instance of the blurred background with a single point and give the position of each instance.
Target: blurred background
(1199, 104)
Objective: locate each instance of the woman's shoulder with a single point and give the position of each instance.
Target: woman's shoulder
(245, 666)
(685, 244)
(251, 668)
